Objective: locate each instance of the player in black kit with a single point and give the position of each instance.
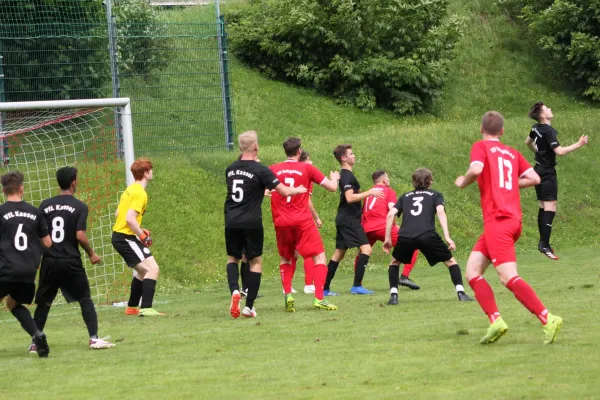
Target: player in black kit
(247, 180)
(543, 141)
(417, 232)
(349, 230)
(23, 232)
(62, 267)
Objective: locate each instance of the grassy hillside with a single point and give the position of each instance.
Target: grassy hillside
(495, 68)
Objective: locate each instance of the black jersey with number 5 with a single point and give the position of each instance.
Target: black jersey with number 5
(21, 227)
(246, 184)
(418, 210)
(65, 215)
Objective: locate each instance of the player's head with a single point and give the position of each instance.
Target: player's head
(12, 183)
(305, 157)
(539, 111)
(380, 177)
(344, 154)
(292, 146)
(248, 142)
(492, 123)
(66, 177)
(422, 179)
(142, 168)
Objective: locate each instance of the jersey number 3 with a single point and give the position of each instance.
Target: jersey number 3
(505, 180)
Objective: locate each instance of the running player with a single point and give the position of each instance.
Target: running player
(23, 233)
(132, 242)
(62, 268)
(294, 225)
(543, 141)
(500, 172)
(349, 231)
(247, 180)
(373, 222)
(419, 208)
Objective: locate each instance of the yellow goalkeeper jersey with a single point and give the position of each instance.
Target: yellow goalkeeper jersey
(134, 198)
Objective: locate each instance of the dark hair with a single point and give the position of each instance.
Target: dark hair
(492, 122)
(291, 146)
(65, 176)
(304, 155)
(422, 179)
(536, 110)
(340, 151)
(11, 182)
(140, 167)
(377, 174)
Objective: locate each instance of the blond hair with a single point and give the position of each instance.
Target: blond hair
(246, 140)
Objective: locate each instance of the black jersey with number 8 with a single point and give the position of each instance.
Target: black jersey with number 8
(419, 209)
(65, 215)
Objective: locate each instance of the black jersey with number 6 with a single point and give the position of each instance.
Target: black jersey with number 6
(419, 209)
(65, 216)
(246, 184)
(21, 227)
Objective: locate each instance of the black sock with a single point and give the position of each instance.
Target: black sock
(331, 268)
(540, 218)
(233, 275)
(136, 293)
(148, 287)
(547, 227)
(24, 317)
(253, 286)
(244, 268)
(393, 275)
(41, 315)
(88, 312)
(359, 272)
(456, 277)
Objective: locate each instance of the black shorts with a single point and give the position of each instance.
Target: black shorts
(246, 241)
(21, 292)
(66, 274)
(350, 236)
(130, 248)
(430, 244)
(547, 190)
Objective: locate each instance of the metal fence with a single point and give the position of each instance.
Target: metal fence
(173, 64)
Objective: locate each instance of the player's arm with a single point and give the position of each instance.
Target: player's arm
(352, 197)
(561, 151)
(473, 172)
(46, 241)
(85, 243)
(531, 144)
(289, 191)
(441, 214)
(389, 221)
(529, 178)
(313, 212)
(331, 184)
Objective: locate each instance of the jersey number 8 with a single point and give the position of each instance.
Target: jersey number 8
(58, 229)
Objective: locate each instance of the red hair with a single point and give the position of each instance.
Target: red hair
(140, 167)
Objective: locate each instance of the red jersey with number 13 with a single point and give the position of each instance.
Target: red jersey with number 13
(293, 210)
(499, 180)
(375, 210)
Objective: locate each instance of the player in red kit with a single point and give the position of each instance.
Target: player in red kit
(500, 172)
(294, 226)
(373, 221)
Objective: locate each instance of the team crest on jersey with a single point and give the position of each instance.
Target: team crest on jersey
(146, 251)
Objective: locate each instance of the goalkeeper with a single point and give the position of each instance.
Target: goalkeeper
(132, 242)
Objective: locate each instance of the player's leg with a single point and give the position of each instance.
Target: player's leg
(394, 278)
(334, 261)
(405, 276)
(320, 275)
(48, 285)
(355, 236)
(309, 277)
(149, 270)
(244, 268)
(547, 195)
(129, 250)
(456, 277)
(253, 242)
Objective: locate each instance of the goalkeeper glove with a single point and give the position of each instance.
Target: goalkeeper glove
(145, 238)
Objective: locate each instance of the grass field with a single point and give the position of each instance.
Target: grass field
(427, 347)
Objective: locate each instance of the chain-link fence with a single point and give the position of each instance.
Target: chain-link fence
(173, 64)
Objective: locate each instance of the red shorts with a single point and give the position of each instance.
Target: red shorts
(374, 236)
(497, 243)
(305, 239)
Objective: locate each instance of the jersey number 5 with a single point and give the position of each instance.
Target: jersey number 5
(238, 192)
(505, 179)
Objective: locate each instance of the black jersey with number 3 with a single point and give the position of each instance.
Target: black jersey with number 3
(21, 227)
(246, 184)
(418, 210)
(65, 215)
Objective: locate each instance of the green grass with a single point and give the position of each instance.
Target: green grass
(427, 347)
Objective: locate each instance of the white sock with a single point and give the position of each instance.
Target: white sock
(394, 291)
(460, 288)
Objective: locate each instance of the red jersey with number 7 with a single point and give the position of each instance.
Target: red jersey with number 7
(375, 210)
(499, 180)
(293, 210)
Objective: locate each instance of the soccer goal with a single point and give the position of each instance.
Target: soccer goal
(96, 137)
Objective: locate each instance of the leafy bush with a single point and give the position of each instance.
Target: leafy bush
(392, 54)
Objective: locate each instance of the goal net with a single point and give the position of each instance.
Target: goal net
(94, 136)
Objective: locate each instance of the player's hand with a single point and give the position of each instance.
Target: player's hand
(267, 193)
(318, 222)
(146, 239)
(300, 189)
(451, 244)
(459, 181)
(147, 231)
(387, 246)
(334, 176)
(95, 258)
(583, 140)
(377, 192)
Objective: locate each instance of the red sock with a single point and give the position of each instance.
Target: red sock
(286, 272)
(409, 267)
(293, 264)
(309, 270)
(526, 295)
(485, 297)
(320, 274)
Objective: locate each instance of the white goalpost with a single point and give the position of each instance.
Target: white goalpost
(96, 137)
